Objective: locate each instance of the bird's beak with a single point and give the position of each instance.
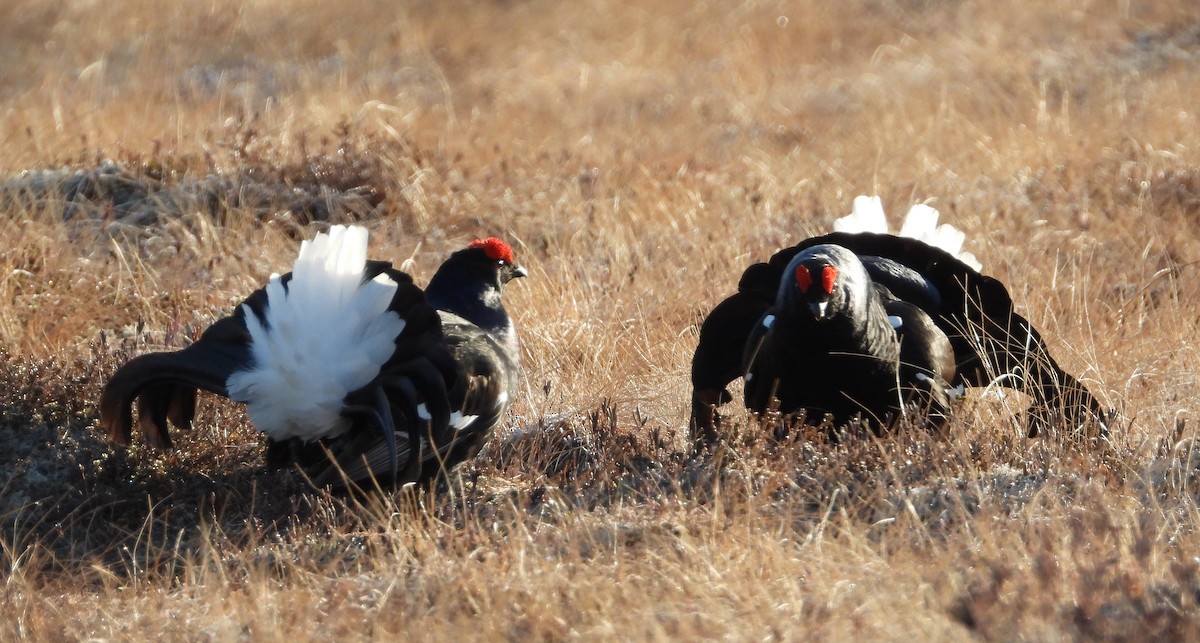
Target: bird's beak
(820, 310)
(511, 271)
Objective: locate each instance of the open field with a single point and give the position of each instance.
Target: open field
(162, 160)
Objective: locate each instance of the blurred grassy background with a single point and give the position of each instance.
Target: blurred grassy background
(162, 160)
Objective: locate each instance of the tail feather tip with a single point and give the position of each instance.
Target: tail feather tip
(921, 223)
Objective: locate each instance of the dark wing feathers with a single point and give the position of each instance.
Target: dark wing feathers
(487, 382)
(475, 379)
(723, 339)
(974, 311)
(416, 381)
(898, 281)
(718, 360)
(429, 376)
(927, 364)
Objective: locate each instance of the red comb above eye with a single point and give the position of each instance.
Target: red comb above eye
(803, 278)
(495, 249)
(828, 279)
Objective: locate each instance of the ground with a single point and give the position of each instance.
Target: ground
(162, 161)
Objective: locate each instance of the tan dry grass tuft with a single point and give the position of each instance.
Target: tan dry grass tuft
(638, 158)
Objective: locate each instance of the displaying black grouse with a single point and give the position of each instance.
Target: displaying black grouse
(861, 323)
(345, 365)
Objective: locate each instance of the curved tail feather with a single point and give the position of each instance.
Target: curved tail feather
(165, 386)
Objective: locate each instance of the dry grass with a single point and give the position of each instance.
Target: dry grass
(163, 160)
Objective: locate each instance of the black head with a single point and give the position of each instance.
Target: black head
(469, 283)
(491, 259)
(822, 282)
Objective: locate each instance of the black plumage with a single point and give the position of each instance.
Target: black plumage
(907, 322)
(482, 341)
(435, 399)
(827, 299)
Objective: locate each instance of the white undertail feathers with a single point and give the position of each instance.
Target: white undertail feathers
(920, 224)
(326, 333)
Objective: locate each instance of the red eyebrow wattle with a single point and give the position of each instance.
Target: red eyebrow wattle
(495, 248)
(803, 278)
(828, 279)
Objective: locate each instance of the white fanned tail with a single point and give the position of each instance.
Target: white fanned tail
(867, 216)
(920, 224)
(327, 333)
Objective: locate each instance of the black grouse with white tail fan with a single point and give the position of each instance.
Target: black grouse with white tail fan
(861, 323)
(344, 365)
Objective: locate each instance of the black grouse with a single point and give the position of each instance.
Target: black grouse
(346, 365)
(862, 323)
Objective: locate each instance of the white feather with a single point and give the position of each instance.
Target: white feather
(326, 334)
(460, 421)
(921, 224)
(867, 216)
(970, 260)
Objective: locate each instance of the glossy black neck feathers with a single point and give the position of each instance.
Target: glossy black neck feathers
(469, 284)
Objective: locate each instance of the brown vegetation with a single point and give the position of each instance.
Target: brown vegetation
(161, 160)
